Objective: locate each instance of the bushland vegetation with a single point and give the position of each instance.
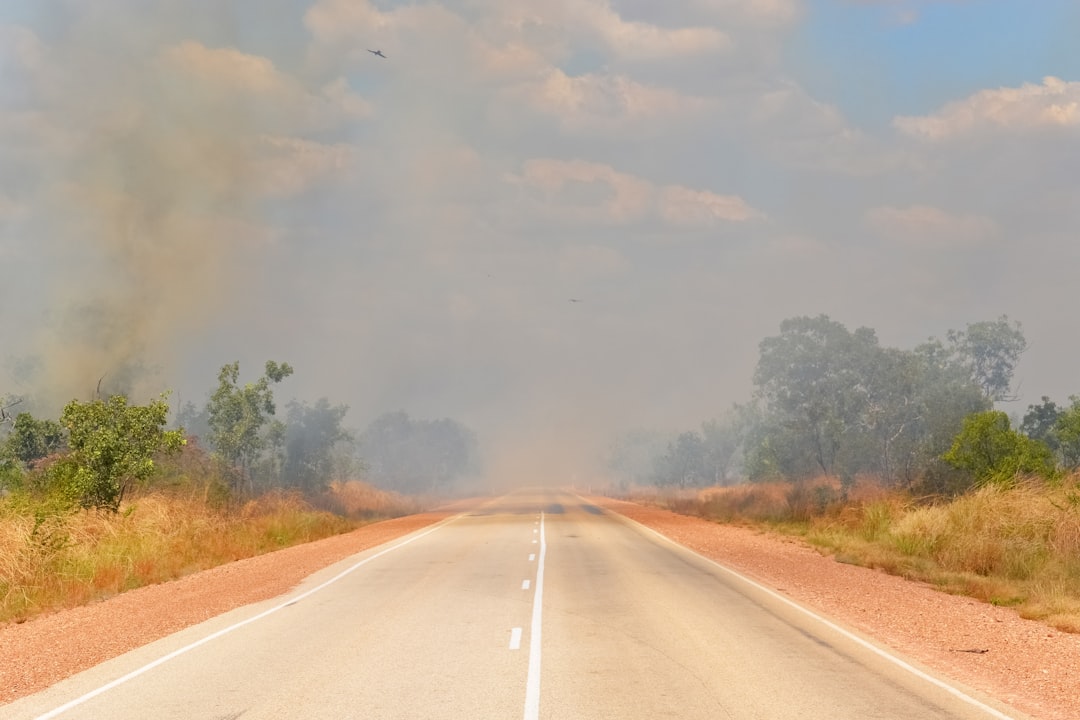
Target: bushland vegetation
(834, 402)
(890, 458)
(111, 495)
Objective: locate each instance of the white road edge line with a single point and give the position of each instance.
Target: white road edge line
(213, 636)
(532, 686)
(833, 626)
(515, 638)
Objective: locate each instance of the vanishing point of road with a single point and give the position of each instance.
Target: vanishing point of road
(534, 605)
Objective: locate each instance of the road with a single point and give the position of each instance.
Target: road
(535, 605)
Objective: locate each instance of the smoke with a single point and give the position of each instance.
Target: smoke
(150, 186)
(185, 188)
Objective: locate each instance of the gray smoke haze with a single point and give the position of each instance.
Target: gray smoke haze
(185, 184)
(143, 182)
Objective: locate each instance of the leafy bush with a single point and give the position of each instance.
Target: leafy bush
(994, 453)
(112, 446)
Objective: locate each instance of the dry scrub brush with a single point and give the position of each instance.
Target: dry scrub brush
(48, 562)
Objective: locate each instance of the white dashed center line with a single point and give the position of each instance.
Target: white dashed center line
(524, 584)
(515, 638)
(532, 686)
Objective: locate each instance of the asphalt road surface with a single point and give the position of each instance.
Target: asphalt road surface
(535, 605)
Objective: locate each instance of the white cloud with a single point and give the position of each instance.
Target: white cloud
(607, 103)
(701, 208)
(643, 41)
(588, 191)
(244, 83)
(596, 192)
(288, 166)
(800, 131)
(1054, 103)
(508, 61)
(765, 12)
(516, 31)
(22, 60)
(424, 38)
(929, 226)
(232, 69)
(20, 47)
(337, 21)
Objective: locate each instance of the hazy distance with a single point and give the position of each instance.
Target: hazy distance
(184, 184)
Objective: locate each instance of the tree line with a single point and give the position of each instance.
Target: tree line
(835, 402)
(97, 450)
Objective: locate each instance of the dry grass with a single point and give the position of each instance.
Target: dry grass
(359, 500)
(51, 560)
(772, 502)
(1017, 546)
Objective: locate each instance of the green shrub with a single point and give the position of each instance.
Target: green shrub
(994, 453)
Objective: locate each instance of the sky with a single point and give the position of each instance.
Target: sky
(554, 222)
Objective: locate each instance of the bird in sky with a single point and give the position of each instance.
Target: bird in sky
(377, 52)
(5, 416)
(574, 300)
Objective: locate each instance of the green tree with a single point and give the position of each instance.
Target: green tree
(835, 402)
(241, 418)
(32, 439)
(311, 433)
(721, 440)
(684, 462)
(113, 445)
(450, 450)
(195, 421)
(814, 379)
(990, 351)
(633, 456)
(992, 452)
(944, 394)
(1067, 434)
(1040, 421)
(417, 455)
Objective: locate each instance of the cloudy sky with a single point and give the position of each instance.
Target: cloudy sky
(201, 181)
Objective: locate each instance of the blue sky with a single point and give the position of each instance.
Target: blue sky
(874, 61)
(193, 183)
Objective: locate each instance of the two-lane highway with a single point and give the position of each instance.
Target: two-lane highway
(535, 605)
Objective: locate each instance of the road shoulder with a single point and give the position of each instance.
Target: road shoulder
(1028, 665)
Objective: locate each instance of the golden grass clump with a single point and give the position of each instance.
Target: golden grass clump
(361, 501)
(750, 502)
(53, 560)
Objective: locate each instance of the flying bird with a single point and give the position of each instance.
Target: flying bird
(574, 300)
(377, 52)
(5, 416)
